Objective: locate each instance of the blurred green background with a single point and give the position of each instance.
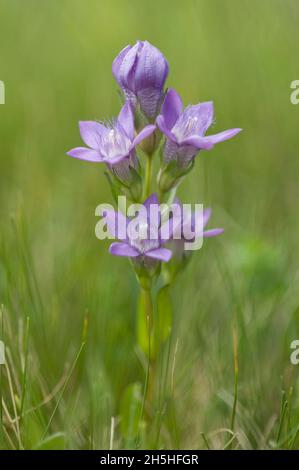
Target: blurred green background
(55, 61)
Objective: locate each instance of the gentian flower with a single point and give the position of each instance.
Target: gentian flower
(194, 232)
(112, 144)
(141, 71)
(188, 231)
(143, 249)
(185, 129)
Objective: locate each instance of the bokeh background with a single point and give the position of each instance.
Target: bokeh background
(55, 61)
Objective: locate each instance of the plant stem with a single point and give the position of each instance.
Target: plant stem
(151, 363)
(148, 177)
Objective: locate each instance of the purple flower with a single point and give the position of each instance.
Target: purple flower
(112, 144)
(187, 230)
(185, 129)
(141, 71)
(141, 236)
(205, 219)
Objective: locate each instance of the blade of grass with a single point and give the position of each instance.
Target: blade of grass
(63, 389)
(112, 428)
(1, 374)
(205, 439)
(172, 403)
(282, 414)
(230, 442)
(296, 433)
(288, 418)
(24, 378)
(13, 400)
(236, 375)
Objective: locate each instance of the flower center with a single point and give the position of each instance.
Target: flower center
(185, 127)
(144, 238)
(191, 122)
(114, 144)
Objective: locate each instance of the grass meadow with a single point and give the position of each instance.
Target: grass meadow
(74, 377)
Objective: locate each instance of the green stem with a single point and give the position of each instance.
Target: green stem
(151, 362)
(169, 196)
(148, 177)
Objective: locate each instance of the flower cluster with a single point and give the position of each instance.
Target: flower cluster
(150, 119)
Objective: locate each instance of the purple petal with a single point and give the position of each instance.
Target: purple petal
(124, 66)
(116, 224)
(113, 161)
(172, 151)
(151, 67)
(123, 249)
(150, 101)
(222, 136)
(198, 142)
(146, 131)
(172, 227)
(204, 113)
(206, 215)
(85, 154)
(205, 218)
(116, 65)
(90, 132)
(123, 168)
(197, 231)
(162, 254)
(153, 216)
(163, 128)
(152, 199)
(194, 121)
(213, 232)
(172, 108)
(126, 119)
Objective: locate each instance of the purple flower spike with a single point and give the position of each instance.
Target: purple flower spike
(141, 71)
(143, 239)
(185, 129)
(114, 144)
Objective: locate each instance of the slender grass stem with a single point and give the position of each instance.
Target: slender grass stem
(63, 389)
(236, 373)
(282, 415)
(1, 375)
(14, 406)
(205, 439)
(24, 379)
(293, 441)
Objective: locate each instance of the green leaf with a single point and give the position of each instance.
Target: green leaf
(130, 411)
(113, 187)
(142, 323)
(136, 185)
(162, 322)
(164, 315)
